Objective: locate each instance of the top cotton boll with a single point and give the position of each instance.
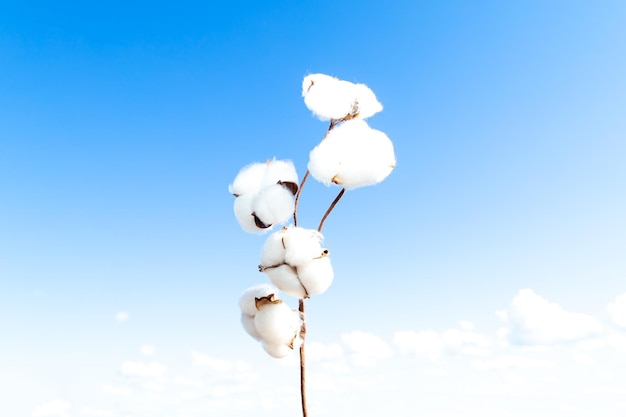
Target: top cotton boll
(332, 99)
(264, 194)
(352, 155)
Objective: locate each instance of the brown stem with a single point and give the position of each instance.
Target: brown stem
(295, 207)
(332, 206)
(302, 360)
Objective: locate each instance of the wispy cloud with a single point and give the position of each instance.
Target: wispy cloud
(143, 370)
(366, 348)
(148, 350)
(432, 345)
(54, 408)
(533, 320)
(122, 316)
(617, 310)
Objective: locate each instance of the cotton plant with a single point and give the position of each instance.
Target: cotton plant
(350, 155)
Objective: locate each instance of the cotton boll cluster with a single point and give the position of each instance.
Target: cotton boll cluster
(294, 261)
(352, 155)
(332, 99)
(264, 194)
(269, 320)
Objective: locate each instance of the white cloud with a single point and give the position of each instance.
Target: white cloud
(113, 390)
(582, 358)
(187, 382)
(534, 320)
(319, 352)
(617, 341)
(425, 343)
(466, 325)
(435, 372)
(214, 364)
(367, 348)
(122, 316)
(511, 361)
(591, 344)
(54, 408)
(148, 350)
(466, 342)
(432, 345)
(143, 370)
(226, 390)
(617, 310)
(95, 412)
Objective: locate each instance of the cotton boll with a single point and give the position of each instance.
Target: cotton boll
(301, 245)
(273, 252)
(248, 325)
(352, 155)
(325, 159)
(317, 275)
(326, 96)
(366, 100)
(277, 323)
(280, 171)
(273, 204)
(277, 351)
(372, 165)
(243, 213)
(248, 180)
(247, 299)
(285, 278)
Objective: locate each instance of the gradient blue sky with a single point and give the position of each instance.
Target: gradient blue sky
(121, 126)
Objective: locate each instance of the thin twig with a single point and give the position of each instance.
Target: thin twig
(301, 303)
(302, 360)
(295, 206)
(332, 206)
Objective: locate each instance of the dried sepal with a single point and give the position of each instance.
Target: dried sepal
(247, 300)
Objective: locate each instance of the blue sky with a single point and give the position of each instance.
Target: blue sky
(121, 127)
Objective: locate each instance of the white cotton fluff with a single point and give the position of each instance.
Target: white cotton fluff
(248, 325)
(277, 351)
(277, 323)
(247, 299)
(327, 97)
(243, 213)
(367, 104)
(264, 194)
(352, 155)
(273, 204)
(273, 252)
(317, 275)
(296, 263)
(249, 179)
(278, 170)
(302, 245)
(285, 277)
(330, 98)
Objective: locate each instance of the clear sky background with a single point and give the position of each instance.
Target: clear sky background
(485, 277)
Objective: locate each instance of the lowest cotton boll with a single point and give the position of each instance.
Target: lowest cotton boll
(247, 302)
(352, 155)
(277, 323)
